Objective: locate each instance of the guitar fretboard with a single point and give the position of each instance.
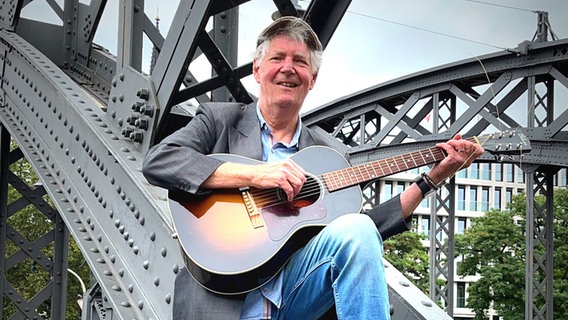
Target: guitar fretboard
(336, 180)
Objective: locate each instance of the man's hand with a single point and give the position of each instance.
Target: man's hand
(460, 154)
(285, 174)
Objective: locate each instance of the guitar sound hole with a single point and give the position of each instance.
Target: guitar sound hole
(308, 195)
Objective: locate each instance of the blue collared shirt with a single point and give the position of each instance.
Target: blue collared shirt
(258, 303)
(276, 150)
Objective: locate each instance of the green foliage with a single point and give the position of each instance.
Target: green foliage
(405, 252)
(27, 277)
(494, 248)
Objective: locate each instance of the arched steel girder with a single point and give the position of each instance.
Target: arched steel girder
(484, 94)
(90, 167)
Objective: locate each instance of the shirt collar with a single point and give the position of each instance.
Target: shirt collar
(264, 127)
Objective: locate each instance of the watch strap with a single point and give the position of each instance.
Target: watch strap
(425, 187)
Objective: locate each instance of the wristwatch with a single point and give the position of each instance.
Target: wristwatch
(424, 183)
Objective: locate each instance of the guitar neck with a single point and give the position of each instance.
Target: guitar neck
(347, 177)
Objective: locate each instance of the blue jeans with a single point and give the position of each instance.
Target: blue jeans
(341, 265)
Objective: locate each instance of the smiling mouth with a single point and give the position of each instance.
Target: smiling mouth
(287, 84)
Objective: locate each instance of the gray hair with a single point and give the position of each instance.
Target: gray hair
(293, 28)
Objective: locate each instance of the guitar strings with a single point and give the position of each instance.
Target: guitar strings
(358, 174)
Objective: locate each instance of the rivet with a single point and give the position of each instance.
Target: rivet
(426, 303)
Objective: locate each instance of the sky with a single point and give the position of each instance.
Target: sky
(377, 40)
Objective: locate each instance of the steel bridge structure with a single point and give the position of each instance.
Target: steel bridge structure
(84, 119)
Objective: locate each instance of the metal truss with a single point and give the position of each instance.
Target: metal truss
(475, 96)
(45, 254)
(539, 241)
(84, 119)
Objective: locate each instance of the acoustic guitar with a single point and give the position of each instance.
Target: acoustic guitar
(235, 240)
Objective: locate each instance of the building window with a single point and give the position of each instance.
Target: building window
(509, 172)
(485, 171)
(520, 176)
(462, 224)
(485, 199)
(497, 198)
(426, 226)
(508, 195)
(461, 197)
(387, 191)
(474, 170)
(460, 303)
(562, 175)
(498, 172)
(399, 187)
(425, 202)
(473, 198)
(414, 227)
(462, 173)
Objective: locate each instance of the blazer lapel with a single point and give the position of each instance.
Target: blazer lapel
(244, 138)
(306, 138)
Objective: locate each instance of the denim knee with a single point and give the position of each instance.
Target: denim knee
(357, 229)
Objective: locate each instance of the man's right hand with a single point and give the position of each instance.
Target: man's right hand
(285, 174)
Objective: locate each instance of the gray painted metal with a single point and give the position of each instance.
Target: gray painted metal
(94, 180)
(539, 281)
(4, 172)
(84, 122)
(401, 290)
(47, 253)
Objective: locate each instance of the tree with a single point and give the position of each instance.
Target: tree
(494, 249)
(405, 252)
(27, 278)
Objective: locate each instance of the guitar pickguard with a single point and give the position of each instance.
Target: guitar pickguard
(281, 219)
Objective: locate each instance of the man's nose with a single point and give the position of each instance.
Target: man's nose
(287, 66)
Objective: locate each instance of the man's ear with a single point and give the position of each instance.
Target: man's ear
(313, 83)
(255, 71)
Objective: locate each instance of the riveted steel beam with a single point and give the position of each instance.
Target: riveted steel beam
(94, 180)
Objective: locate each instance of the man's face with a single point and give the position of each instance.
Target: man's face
(285, 73)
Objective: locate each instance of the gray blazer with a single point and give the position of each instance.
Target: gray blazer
(180, 162)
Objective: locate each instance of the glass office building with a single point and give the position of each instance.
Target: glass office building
(479, 188)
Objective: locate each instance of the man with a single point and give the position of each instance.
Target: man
(340, 266)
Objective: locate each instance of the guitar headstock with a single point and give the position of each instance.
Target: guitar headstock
(510, 142)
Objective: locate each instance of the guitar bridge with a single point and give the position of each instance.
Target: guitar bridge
(252, 209)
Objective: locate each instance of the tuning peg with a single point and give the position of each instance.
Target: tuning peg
(498, 158)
